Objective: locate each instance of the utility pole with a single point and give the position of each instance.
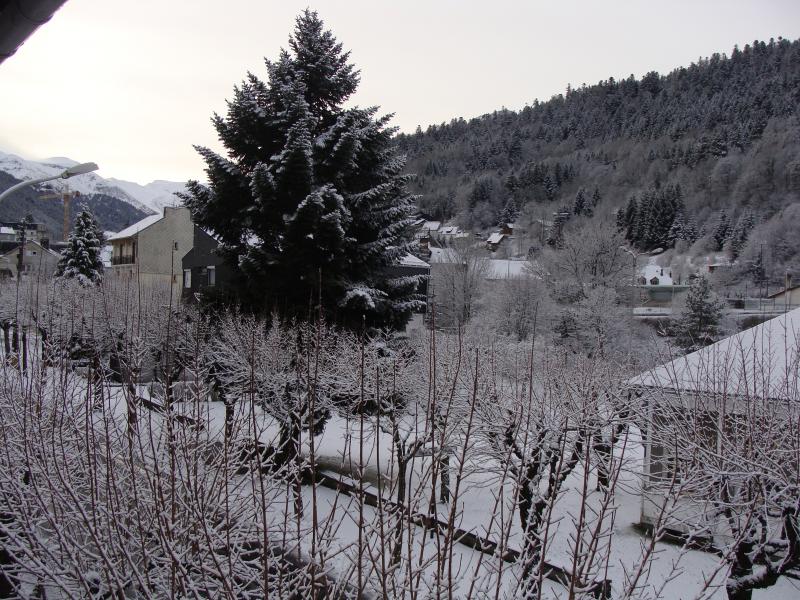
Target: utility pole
(21, 251)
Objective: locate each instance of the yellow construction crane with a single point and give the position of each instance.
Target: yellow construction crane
(66, 196)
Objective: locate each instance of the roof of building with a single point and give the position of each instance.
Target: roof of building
(506, 269)
(452, 230)
(783, 291)
(763, 361)
(652, 270)
(409, 260)
(15, 249)
(495, 238)
(136, 227)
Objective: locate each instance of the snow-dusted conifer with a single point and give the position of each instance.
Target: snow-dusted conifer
(580, 205)
(310, 204)
(721, 231)
(509, 213)
(81, 258)
(698, 324)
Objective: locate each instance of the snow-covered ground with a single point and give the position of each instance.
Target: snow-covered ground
(675, 573)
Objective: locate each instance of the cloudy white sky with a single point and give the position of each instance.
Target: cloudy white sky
(131, 85)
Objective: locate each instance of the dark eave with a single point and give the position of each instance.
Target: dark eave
(19, 19)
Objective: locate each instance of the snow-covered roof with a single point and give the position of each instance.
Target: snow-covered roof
(451, 230)
(495, 238)
(763, 361)
(409, 260)
(506, 269)
(653, 270)
(136, 227)
(13, 252)
(432, 225)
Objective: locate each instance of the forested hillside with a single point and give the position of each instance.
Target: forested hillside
(709, 154)
(112, 213)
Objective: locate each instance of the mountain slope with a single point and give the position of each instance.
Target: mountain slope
(115, 203)
(722, 136)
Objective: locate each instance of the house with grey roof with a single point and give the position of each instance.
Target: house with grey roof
(709, 400)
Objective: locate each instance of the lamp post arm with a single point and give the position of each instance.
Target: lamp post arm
(23, 184)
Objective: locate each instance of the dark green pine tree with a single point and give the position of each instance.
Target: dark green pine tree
(698, 324)
(509, 213)
(311, 203)
(580, 205)
(627, 217)
(677, 231)
(81, 258)
(596, 197)
(739, 234)
(721, 231)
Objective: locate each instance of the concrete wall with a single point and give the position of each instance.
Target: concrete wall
(162, 246)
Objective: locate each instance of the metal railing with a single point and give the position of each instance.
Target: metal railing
(123, 260)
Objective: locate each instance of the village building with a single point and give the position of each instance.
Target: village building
(787, 298)
(494, 241)
(37, 261)
(150, 252)
(204, 270)
(712, 389)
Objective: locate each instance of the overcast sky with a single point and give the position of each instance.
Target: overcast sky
(132, 85)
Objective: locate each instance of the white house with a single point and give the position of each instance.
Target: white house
(753, 375)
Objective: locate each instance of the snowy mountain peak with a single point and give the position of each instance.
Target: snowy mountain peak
(150, 198)
(59, 161)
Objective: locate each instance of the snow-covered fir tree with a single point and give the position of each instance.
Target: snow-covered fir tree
(311, 203)
(509, 213)
(721, 231)
(81, 258)
(739, 235)
(596, 197)
(581, 206)
(698, 324)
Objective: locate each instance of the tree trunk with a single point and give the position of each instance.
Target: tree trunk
(402, 467)
(6, 338)
(444, 484)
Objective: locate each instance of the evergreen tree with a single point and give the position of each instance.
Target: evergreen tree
(596, 197)
(509, 213)
(582, 204)
(740, 233)
(677, 231)
(81, 258)
(698, 324)
(721, 231)
(310, 204)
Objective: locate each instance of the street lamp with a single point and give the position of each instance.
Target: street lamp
(66, 174)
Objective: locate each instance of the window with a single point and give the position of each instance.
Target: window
(187, 278)
(212, 276)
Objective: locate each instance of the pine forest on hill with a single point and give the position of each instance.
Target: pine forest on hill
(708, 154)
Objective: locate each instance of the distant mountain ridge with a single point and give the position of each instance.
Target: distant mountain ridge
(149, 198)
(116, 203)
